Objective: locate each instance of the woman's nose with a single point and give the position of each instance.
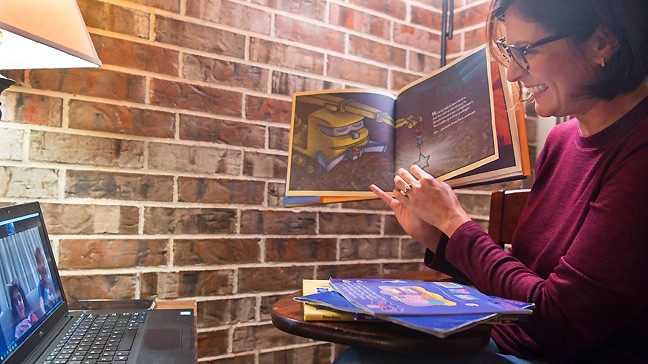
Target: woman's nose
(514, 71)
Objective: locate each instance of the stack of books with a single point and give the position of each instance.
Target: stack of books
(437, 308)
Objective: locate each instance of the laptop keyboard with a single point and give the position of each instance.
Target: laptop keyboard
(98, 338)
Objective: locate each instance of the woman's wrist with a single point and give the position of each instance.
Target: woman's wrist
(453, 223)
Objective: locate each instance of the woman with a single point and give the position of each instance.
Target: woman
(23, 317)
(581, 246)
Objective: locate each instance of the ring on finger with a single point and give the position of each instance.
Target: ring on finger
(403, 191)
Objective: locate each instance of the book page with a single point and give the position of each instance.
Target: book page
(341, 142)
(509, 163)
(457, 132)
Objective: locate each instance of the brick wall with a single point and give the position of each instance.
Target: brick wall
(161, 173)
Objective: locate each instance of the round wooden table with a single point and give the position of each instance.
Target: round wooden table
(288, 316)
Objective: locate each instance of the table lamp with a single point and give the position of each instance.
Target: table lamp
(36, 34)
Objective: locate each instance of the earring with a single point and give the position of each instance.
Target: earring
(601, 62)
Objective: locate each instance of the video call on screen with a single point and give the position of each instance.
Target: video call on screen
(29, 292)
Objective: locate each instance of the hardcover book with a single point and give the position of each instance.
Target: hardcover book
(461, 125)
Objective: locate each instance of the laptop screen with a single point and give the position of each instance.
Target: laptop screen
(30, 292)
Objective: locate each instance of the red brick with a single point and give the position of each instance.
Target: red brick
(90, 219)
(272, 279)
(369, 249)
(225, 73)
(11, 144)
(417, 38)
(277, 222)
(475, 203)
(227, 191)
(266, 306)
(115, 18)
(375, 51)
(163, 220)
(402, 79)
(121, 119)
(212, 343)
(17, 76)
(471, 16)
(276, 192)
(349, 223)
(140, 56)
(428, 18)
(360, 21)
(412, 250)
(268, 109)
(392, 227)
(31, 109)
(98, 254)
(226, 311)
(474, 38)
(310, 9)
(393, 8)
(287, 84)
(349, 70)
(279, 138)
(84, 150)
(347, 270)
(114, 286)
(264, 165)
(420, 62)
(77, 149)
(215, 251)
(222, 131)
(187, 283)
(28, 182)
(185, 158)
(283, 55)
(230, 13)
(91, 82)
(300, 250)
(199, 37)
(179, 95)
(299, 31)
(118, 186)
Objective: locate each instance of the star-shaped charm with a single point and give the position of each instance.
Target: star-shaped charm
(423, 161)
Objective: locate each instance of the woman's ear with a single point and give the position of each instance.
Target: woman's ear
(601, 45)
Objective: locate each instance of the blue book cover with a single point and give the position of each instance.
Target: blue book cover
(437, 325)
(418, 298)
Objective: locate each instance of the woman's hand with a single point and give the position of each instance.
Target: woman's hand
(432, 201)
(424, 233)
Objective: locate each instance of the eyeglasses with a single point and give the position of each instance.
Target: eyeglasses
(518, 52)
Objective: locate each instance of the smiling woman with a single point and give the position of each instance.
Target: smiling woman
(579, 250)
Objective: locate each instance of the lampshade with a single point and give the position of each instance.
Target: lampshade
(44, 34)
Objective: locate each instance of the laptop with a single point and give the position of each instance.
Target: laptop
(37, 325)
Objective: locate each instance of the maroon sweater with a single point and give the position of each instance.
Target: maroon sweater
(580, 251)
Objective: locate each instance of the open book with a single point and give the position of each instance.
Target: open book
(460, 124)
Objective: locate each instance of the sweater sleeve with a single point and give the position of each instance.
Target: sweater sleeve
(597, 286)
(438, 262)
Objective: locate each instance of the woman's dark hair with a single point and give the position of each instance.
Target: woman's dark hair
(15, 286)
(577, 20)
